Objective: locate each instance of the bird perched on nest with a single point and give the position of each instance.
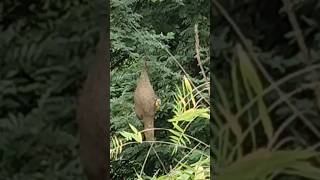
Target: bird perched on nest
(146, 102)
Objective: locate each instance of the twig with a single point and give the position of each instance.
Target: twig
(279, 82)
(260, 66)
(297, 30)
(145, 160)
(191, 137)
(271, 108)
(301, 43)
(164, 142)
(197, 46)
(165, 170)
(194, 148)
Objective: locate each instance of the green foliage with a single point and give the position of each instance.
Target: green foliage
(135, 135)
(186, 110)
(195, 162)
(136, 34)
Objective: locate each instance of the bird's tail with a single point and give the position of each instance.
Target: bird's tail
(149, 124)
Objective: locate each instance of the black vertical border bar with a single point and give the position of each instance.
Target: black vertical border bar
(212, 93)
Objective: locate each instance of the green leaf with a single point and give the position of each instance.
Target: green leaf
(133, 129)
(261, 163)
(266, 121)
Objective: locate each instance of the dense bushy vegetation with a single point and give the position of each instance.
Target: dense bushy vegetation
(164, 32)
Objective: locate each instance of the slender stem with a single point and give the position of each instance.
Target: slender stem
(197, 46)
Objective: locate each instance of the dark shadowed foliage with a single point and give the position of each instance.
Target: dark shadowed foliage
(266, 89)
(46, 47)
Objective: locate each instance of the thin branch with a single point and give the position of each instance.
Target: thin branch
(164, 142)
(145, 160)
(301, 43)
(165, 170)
(187, 155)
(197, 46)
(274, 85)
(297, 30)
(271, 108)
(191, 137)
